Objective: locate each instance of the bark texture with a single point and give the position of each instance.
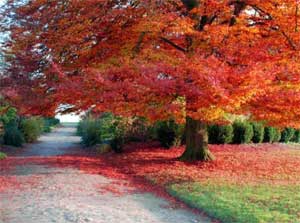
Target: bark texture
(196, 142)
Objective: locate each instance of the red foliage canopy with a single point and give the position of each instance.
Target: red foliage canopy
(205, 59)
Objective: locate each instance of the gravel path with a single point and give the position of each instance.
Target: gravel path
(69, 195)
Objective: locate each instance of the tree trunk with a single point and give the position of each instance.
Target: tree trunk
(196, 142)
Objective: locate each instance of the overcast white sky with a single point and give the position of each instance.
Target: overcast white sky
(2, 2)
(68, 118)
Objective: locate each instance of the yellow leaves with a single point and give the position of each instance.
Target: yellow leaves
(210, 114)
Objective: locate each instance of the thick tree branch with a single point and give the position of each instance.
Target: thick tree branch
(277, 28)
(239, 6)
(137, 47)
(222, 58)
(262, 12)
(205, 20)
(189, 43)
(290, 41)
(173, 44)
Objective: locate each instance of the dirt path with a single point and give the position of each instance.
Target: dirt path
(54, 194)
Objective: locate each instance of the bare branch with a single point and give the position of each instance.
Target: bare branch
(174, 45)
(290, 41)
(137, 47)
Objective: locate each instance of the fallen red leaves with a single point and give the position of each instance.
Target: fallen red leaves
(249, 164)
(142, 162)
(8, 182)
(273, 163)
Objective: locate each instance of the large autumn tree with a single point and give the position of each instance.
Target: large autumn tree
(196, 60)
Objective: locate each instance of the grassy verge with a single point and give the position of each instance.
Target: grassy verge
(236, 203)
(246, 184)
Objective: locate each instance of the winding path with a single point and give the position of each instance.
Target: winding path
(69, 195)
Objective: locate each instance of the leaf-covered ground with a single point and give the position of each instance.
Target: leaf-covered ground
(247, 183)
(39, 183)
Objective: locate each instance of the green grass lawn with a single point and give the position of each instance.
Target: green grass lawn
(236, 203)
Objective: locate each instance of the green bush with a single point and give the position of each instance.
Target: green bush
(32, 128)
(52, 121)
(287, 134)
(9, 116)
(270, 134)
(49, 123)
(243, 132)
(47, 128)
(119, 137)
(2, 156)
(12, 135)
(90, 132)
(169, 133)
(109, 124)
(41, 124)
(225, 134)
(117, 144)
(258, 132)
(277, 136)
(213, 131)
(220, 134)
(296, 137)
(106, 129)
(79, 131)
(138, 130)
(117, 131)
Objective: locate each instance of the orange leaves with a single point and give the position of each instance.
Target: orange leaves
(139, 58)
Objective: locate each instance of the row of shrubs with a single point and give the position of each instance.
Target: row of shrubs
(116, 131)
(112, 130)
(246, 132)
(20, 130)
(171, 134)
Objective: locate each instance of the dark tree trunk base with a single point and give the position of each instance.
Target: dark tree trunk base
(196, 142)
(191, 156)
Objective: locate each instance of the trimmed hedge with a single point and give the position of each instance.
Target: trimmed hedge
(287, 134)
(220, 134)
(243, 132)
(277, 136)
(269, 134)
(258, 132)
(118, 131)
(296, 137)
(169, 133)
(12, 135)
